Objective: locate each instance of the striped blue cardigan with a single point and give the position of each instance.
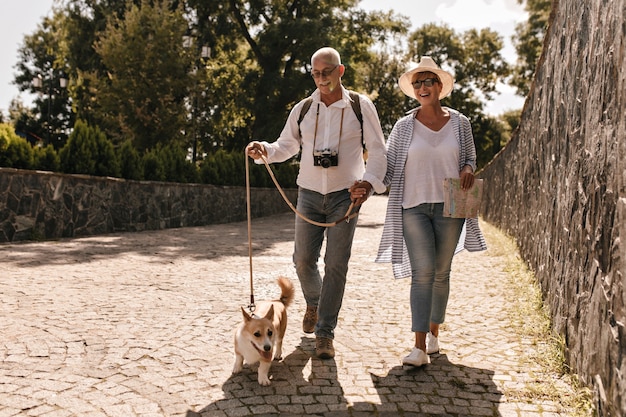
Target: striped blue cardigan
(392, 246)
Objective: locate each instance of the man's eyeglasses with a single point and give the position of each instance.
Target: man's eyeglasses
(324, 73)
(428, 82)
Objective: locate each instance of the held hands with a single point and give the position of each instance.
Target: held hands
(467, 177)
(360, 191)
(255, 150)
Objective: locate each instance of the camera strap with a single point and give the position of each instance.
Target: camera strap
(317, 116)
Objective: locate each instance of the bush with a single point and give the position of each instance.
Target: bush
(107, 164)
(46, 159)
(131, 164)
(169, 163)
(221, 168)
(88, 151)
(153, 169)
(229, 168)
(286, 173)
(15, 152)
(176, 165)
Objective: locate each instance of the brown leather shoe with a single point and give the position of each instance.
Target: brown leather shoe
(310, 319)
(324, 348)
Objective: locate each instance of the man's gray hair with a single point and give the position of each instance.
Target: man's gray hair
(328, 55)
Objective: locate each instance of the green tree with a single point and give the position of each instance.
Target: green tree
(511, 119)
(142, 95)
(224, 109)
(274, 41)
(131, 75)
(528, 42)
(379, 79)
(490, 135)
(42, 70)
(84, 21)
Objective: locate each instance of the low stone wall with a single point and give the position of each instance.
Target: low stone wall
(37, 205)
(559, 189)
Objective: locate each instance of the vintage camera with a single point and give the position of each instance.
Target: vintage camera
(325, 158)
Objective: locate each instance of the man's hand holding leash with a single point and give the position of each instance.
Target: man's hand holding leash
(360, 191)
(255, 150)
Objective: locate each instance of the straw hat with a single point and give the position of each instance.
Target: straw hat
(426, 65)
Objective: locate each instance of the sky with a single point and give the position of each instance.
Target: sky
(22, 17)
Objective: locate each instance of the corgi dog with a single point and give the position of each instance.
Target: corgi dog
(259, 338)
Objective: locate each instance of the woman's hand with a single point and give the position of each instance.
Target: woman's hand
(360, 191)
(467, 177)
(255, 150)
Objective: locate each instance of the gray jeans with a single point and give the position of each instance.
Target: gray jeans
(327, 293)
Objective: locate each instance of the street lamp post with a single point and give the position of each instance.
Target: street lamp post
(38, 83)
(205, 53)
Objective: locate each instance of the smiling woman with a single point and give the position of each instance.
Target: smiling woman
(429, 145)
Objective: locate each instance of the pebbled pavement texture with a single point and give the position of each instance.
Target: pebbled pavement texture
(141, 324)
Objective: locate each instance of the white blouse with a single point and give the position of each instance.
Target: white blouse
(432, 156)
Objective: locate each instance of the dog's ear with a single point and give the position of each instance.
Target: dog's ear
(246, 316)
(270, 313)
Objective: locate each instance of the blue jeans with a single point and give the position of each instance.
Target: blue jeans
(326, 294)
(431, 240)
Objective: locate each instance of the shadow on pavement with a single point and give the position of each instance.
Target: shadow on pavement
(440, 389)
(290, 390)
(208, 242)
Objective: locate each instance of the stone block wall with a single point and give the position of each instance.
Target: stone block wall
(38, 205)
(559, 188)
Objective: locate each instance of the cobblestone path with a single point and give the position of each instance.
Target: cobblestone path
(141, 324)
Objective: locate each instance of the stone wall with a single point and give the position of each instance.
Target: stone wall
(559, 189)
(45, 205)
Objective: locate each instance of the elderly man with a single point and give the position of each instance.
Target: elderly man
(332, 128)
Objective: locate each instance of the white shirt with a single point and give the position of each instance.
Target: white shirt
(343, 136)
(432, 156)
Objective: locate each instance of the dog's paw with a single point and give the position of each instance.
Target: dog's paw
(264, 380)
(238, 365)
(237, 368)
(278, 358)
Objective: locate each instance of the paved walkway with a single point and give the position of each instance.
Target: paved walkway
(142, 324)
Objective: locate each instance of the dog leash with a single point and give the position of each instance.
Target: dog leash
(347, 217)
(251, 306)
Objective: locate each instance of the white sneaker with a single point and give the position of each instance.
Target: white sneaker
(417, 357)
(432, 343)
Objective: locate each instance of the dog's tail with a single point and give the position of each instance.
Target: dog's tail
(286, 291)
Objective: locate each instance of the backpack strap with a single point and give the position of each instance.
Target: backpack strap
(355, 102)
(305, 108)
(356, 107)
